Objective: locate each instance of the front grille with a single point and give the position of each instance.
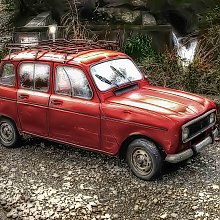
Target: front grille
(198, 126)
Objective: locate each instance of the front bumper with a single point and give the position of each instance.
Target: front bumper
(175, 158)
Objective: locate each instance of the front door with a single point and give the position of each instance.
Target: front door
(33, 97)
(74, 114)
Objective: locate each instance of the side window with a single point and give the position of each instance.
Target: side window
(27, 75)
(72, 81)
(63, 85)
(7, 76)
(35, 76)
(41, 77)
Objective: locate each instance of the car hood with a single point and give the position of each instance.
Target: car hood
(166, 102)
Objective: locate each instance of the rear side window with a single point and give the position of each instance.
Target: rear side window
(7, 75)
(35, 76)
(72, 82)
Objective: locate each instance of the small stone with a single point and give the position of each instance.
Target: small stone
(10, 214)
(174, 215)
(155, 201)
(78, 205)
(13, 170)
(215, 187)
(201, 194)
(15, 215)
(69, 172)
(72, 214)
(107, 216)
(55, 175)
(115, 192)
(164, 216)
(9, 183)
(195, 207)
(115, 216)
(136, 208)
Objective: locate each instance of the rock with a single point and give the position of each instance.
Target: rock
(215, 187)
(55, 175)
(164, 216)
(136, 208)
(10, 214)
(130, 3)
(201, 194)
(139, 3)
(155, 201)
(174, 215)
(78, 205)
(195, 207)
(123, 15)
(115, 216)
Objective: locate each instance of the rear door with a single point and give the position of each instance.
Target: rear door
(33, 96)
(74, 114)
(8, 90)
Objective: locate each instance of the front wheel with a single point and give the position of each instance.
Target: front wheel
(9, 135)
(144, 159)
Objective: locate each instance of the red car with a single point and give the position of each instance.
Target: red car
(99, 100)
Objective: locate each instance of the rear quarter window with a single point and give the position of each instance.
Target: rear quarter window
(7, 75)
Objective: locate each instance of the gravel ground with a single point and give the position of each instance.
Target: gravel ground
(43, 180)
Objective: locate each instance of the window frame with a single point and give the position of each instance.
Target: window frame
(65, 95)
(2, 67)
(35, 63)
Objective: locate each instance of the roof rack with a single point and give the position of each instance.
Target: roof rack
(63, 46)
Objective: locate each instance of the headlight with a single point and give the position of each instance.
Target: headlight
(185, 133)
(212, 118)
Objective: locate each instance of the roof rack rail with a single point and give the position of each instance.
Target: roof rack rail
(64, 46)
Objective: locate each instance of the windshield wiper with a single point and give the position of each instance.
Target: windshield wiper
(119, 73)
(103, 79)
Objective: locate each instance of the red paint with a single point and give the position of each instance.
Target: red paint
(106, 121)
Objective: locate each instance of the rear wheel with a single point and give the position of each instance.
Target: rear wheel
(9, 135)
(144, 159)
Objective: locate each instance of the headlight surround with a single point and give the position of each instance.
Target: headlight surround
(212, 118)
(185, 133)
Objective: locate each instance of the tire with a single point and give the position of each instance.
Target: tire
(9, 135)
(144, 159)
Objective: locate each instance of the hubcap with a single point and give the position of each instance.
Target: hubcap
(142, 161)
(6, 132)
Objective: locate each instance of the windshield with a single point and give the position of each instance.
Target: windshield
(114, 73)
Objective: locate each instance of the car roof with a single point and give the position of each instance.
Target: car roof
(63, 51)
(86, 57)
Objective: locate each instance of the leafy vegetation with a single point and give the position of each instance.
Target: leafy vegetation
(139, 47)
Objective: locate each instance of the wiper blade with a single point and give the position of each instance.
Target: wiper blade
(103, 79)
(118, 72)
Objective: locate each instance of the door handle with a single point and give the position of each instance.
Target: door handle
(23, 96)
(56, 102)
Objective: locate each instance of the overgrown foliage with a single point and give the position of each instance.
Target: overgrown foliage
(139, 47)
(200, 77)
(74, 29)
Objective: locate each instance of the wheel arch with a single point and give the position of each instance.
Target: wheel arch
(128, 140)
(12, 120)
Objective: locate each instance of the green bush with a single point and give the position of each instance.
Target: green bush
(139, 47)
